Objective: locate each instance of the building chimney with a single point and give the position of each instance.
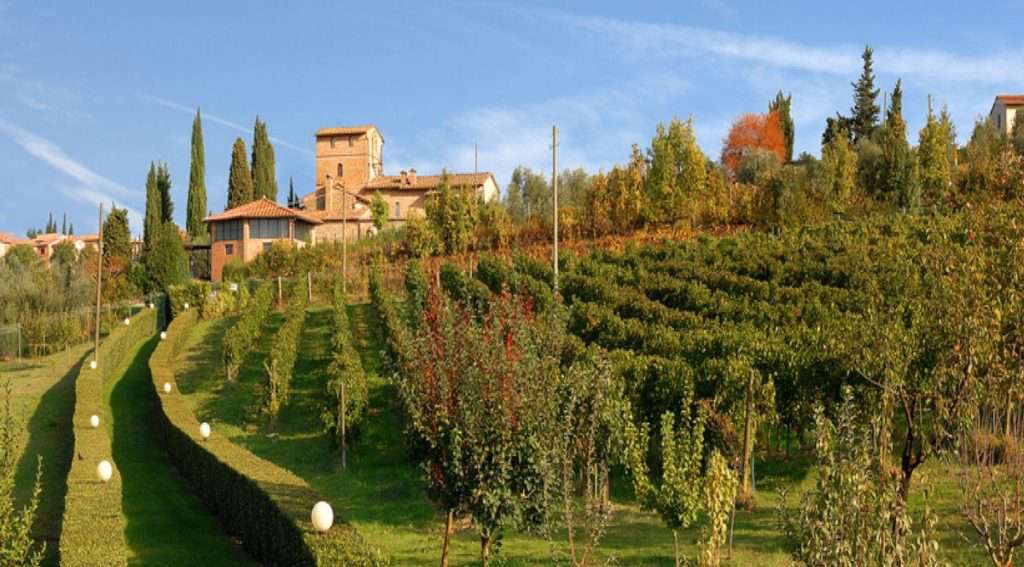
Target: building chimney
(412, 176)
(403, 177)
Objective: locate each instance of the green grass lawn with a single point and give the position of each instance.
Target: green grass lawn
(383, 495)
(165, 523)
(44, 395)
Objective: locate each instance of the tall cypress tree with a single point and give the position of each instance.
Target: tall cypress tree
(240, 189)
(292, 200)
(152, 220)
(64, 223)
(196, 184)
(163, 184)
(865, 100)
(50, 225)
(783, 106)
(264, 175)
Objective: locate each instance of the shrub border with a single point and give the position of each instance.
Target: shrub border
(265, 506)
(93, 524)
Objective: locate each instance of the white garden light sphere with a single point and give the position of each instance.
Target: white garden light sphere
(186, 305)
(94, 421)
(92, 364)
(204, 430)
(322, 516)
(104, 471)
(127, 321)
(163, 335)
(167, 387)
(150, 305)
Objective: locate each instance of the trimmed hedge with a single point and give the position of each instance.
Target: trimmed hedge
(93, 531)
(265, 506)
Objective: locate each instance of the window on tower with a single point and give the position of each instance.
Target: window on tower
(341, 170)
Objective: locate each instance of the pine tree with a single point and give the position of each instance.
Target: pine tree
(264, 175)
(240, 189)
(154, 203)
(894, 114)
(932, 160)
(163, 184)
(897, 174)
(196, 207)
(865, 109)
(783, 106)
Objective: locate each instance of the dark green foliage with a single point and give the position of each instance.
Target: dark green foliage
(784, 106)
(379, 211)
(865, 111)
(163, 186)
(528, 195)
(280, 363)
(453, 213)
(241, 337)
(117, 236)
(264, 174)
(293, 199)
(89, 538)
(235, 271)
(345, 374)
(396, 333)
(17, 546)
(264, 506)
(416, 288)
(461, 288)
(153, 217)
(197, 185)
(167, 264)
(240, 185)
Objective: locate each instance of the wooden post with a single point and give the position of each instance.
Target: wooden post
(309, 287)
(344, 242)
(344, 427)
(99, 287)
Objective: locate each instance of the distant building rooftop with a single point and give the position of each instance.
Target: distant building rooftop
(261, 209)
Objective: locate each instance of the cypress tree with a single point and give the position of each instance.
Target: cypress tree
(292, 201)
(865, 109)
(196, 184)
(152, 220)
(71, 229)
(264, 175)
(64, 223)
(240, 189)
(163, 184)
(783, 106)
(50, 225)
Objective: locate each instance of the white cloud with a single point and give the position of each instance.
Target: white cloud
(94, 198)
(656, 40)
(55, 157)
(222, 121)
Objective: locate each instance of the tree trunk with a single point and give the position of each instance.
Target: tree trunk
(485, 549)
(675, 546)
(449, 523)
(748, 448)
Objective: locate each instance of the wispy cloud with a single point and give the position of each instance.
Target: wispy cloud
(657, 40)
(222, 121)
(91, 187)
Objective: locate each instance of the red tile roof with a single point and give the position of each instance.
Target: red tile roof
(47, 238)
(261, 209)
(428, 182)
(8, 238)
(1010, 99)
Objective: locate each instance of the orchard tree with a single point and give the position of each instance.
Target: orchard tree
(751, 132)
(453, 213)
(481, 403)
(240, 188)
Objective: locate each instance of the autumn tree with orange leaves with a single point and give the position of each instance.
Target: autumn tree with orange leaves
(751, 132)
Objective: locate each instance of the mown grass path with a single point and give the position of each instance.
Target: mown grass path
(166, 523)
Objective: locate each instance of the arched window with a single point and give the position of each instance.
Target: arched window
(398, 210)
(341, 169)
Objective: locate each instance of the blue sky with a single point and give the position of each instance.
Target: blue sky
(88, 96)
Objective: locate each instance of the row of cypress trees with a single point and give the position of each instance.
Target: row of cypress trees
(247, 184)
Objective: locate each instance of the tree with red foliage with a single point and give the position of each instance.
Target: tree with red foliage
(753, 132)
(481, 398)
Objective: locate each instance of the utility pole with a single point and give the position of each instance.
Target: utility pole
(99, 287)
(554, 189)
(344, 242)
(476, 158)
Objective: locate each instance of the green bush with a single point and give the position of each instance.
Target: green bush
(235, 271)
(280, 364)
(265, 507)
(93, 527)
(241, 337)
(391, 320)
(345, 371)
(416, 288)
(470, 292)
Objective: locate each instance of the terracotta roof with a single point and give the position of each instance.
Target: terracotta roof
(8, 238)
(1010, 98)
(262, 209)
(345, 130)
(428, 182)
(88, 237)
(47, 238)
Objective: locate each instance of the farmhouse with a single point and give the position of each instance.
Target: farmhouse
(245, 231)
(1004, 111)
(350, 171)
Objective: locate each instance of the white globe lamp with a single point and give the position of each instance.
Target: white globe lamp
(92, 364)
(94, 421)
(167, 387)
(186, 305)
(322, 516)
(163, 335)
(150, 305)
(104, 471)
(204, 430)
(127, 321)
